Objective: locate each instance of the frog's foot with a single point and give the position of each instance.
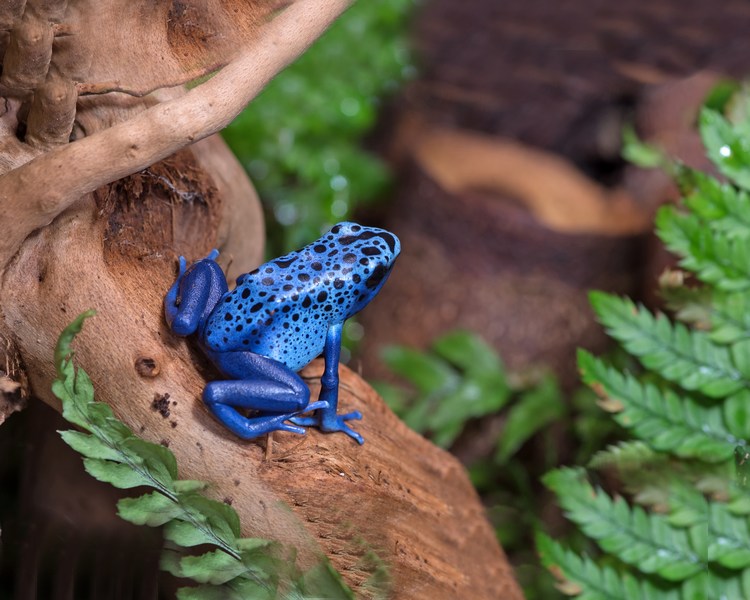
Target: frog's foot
(331, 423)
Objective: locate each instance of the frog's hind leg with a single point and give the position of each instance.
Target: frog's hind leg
(326, 418)
(260, 384)
(252, 427)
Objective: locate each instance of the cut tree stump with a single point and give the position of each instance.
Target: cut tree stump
(506, 241)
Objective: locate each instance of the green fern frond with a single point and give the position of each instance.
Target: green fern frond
(690, 305)
(626, 456)
(668, 422)
(646, 541)
(581, 577)
(687, 506)
(725, 315)
(728, 145)
(729, 535)
(640, 468)
(687, 358)
(239, 567)
(730, 317)
(692, 403)
(661, 482)
(721, 206)
(718, 258)
(712, 584)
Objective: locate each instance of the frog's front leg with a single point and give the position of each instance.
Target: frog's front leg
(258, 383)
(326, 419)
(194, 294)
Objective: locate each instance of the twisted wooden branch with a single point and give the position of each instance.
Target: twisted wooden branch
(32, 195)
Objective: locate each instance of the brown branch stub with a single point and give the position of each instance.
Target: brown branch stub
(28, 54)
(551, 188)
(52, 113)
(147, 366)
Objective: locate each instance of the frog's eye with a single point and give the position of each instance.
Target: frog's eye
(378, 274)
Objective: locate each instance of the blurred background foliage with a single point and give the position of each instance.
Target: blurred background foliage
(300, 140)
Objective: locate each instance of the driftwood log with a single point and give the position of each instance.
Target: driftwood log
(102, 184)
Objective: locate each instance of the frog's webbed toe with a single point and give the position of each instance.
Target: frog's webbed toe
(330, 424)
(312, 406)
(342, 426)
(281, 426)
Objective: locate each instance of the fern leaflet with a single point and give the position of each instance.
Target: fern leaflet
(583, 578)
(717, 258)
(670, 423)
(240, 567)
(721, 206)
(637, 538)
(730, 317)
(730, 538)
(727, 145)
(626, 456)
(688, 358)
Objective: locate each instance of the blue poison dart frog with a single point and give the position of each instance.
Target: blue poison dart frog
(276, 320)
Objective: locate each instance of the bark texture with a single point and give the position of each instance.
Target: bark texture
(98, 223)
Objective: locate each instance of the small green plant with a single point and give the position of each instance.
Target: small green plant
(300, 140)
(676, 522)
(460, 379)
(236, 568)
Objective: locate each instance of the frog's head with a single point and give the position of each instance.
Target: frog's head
(369, 253)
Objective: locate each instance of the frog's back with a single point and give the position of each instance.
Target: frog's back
(284, 308)
(281, 310)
